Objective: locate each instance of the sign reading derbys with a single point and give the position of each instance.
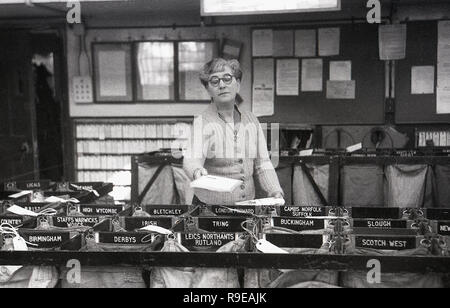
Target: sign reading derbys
(161, 210)
(385, 243)
(133, 223)
(380, 223)
(72, 221)
(301, 211)
(46, 239)
(126, 238)
(229, 210)
(103, 210)
(299, 224)
(11, 220)
(218, 224)
(210, 240)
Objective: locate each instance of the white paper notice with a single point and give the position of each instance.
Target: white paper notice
(263, 100)
(305, 43)
(329, 39)
(156, 229)
(21, 194)
(392, 41)
(422, 80)
(443, 100)
(283, 43)
(112, 71)
(263, 71)
(341, 89)
(287, 77)
(312, 75)
(262, 43)
(340, 70)
(443, 68)
(263, 96)
(216, 183)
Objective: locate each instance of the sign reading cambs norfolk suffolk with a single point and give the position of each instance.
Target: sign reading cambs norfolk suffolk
(302, 211)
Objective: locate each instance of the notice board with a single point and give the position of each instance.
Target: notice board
(358, 44)
(421, 50)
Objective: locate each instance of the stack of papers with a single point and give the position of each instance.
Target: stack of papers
(263, 201)
(216, 183)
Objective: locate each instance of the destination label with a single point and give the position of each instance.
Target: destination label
(27, 185)
(126, 238)
(443, 227)
(301, 211)
(385, 243)
(46, 239)
(103, 210)
(383, 213)
(438, 214)
(133, 223)
(299, 224)
(295, 240)
(11, 220)
(219, 224)
(73, 221)
(211, 240)
(170, 210)
(380, 223)
(221, 211)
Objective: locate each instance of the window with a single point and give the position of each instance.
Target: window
(161, 70)
(155, 62)
(191, 58)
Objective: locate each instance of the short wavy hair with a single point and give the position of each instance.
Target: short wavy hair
(218, 65)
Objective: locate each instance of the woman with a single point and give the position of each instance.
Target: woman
(227, 141)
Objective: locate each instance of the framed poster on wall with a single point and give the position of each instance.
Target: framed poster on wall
(112, 72)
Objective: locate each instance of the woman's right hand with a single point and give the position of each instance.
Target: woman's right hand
(200, 172)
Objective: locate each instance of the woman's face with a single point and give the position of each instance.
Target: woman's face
(223, 92)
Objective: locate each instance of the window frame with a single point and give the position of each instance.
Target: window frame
(135, 70)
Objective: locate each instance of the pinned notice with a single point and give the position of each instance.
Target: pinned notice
(216, 183)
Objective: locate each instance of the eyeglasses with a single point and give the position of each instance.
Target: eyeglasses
(215, 81)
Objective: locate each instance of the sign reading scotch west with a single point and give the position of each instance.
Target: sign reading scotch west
(385, 243)
(133, 223)
(302, 211)
(219, 224)
(206, 240)
(299, 224)
(125, 238)
(169, 210)
(72, 221)
(380, 223)
(46, 239)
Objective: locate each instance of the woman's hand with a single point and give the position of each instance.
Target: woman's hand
(200, 172)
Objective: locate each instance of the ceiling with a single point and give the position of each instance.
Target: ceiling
(111, 9)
